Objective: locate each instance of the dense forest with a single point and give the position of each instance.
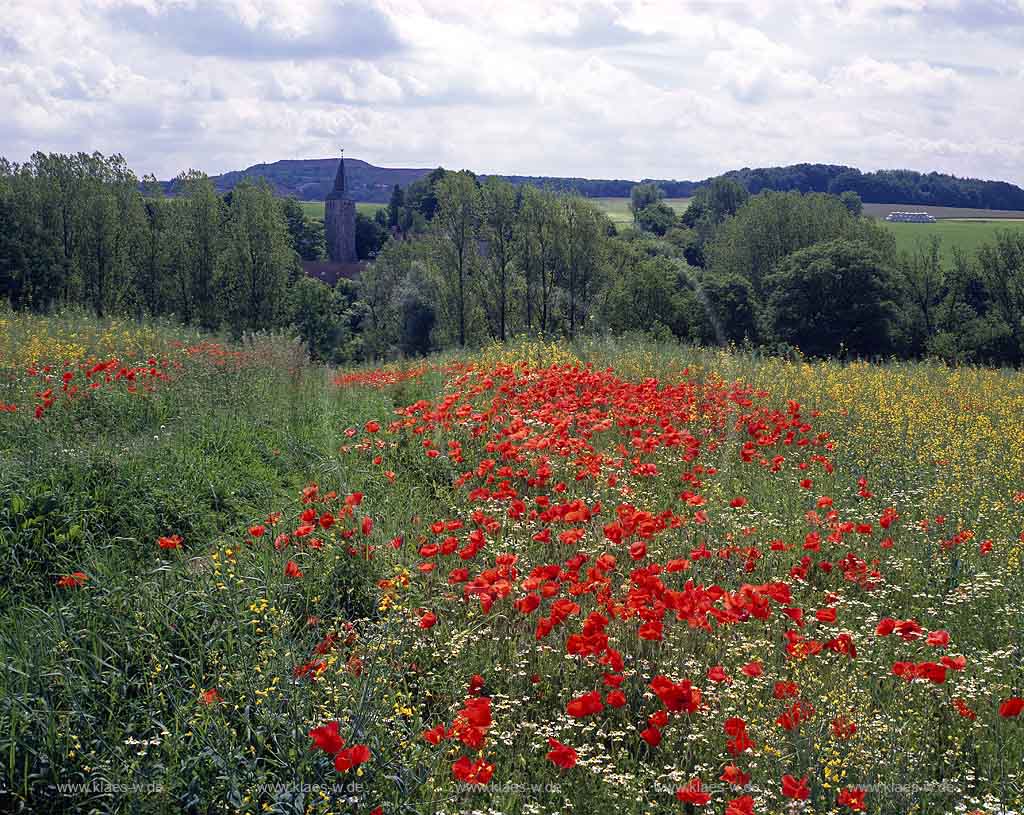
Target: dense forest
(459, 260)
(311, 180)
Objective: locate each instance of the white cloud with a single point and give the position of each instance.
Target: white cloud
(602, 88)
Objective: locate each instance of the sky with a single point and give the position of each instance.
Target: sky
(594, 88)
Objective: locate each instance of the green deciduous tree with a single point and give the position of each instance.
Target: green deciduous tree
(455, 234)
(1001, 264)
(922, 282)
(643, 196)
(833, 297)
(772, 225)
(583, 230)
(257, 259)
(306, 234)
(370, 236)
(537, 251)
(498, 231)
(657, 218)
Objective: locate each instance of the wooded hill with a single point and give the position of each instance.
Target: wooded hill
(311, 180)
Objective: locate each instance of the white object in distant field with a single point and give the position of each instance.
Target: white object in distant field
(911, 217)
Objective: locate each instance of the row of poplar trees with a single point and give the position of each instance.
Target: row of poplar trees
(81, 229)
(491, 260)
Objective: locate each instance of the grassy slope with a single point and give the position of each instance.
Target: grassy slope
(86, 675)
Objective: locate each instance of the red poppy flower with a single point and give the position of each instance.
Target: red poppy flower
(932, 671)
(477, 712)
(1011, 708)
(615, 698)
(326, 738)
(350, 757)
(169, 542)
(427, 619)
(693, 794)
(784, 690)
(744, 805)
(718, 674)
(963, 710)
(676, 697)
(651, 735)
(794, 788)
(938, 639)
(852, 798)
(752, 669)
(585, 705)
(435, 735)
(561, 755)
(291, 569)
(476, 772)
(957, 662)
(73, 580)
(208, 697)
(735, 776)
(843, 728)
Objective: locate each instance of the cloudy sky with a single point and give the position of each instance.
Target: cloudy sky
(596, 88)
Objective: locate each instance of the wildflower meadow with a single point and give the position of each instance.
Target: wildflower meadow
(612, 576)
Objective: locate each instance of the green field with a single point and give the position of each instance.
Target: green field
(967, 234)
(618, 208)
(315, 209)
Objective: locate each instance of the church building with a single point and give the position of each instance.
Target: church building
(340, 233)
(340, 220)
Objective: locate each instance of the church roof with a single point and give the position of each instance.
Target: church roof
(339, 190)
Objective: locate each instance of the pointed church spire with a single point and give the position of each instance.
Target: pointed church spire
(339, 190)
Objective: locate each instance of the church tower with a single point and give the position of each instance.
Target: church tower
(340, 220)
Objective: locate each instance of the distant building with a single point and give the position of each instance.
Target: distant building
(340, 232)
(911, 217)
(340, 220)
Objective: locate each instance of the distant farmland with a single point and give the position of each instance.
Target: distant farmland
(315, 209)
(881, 210)
(618, 208)
(967, 234)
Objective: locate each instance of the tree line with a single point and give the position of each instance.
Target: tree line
(791, 270)
(881, 186)
(458, 260)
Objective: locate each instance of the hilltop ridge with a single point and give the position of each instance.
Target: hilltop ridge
(311, 180)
